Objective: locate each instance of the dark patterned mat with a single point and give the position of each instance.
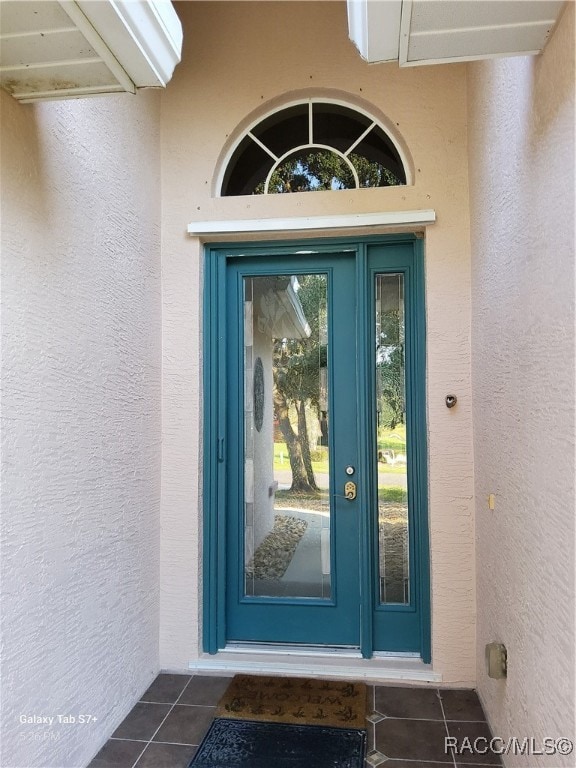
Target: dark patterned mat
(296, 700)
(250, 744)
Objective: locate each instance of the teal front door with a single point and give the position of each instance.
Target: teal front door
(315, 487)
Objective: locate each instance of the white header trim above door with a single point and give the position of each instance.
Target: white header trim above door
(295, 223)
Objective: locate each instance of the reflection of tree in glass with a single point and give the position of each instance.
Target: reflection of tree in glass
(390, 370)
(297, 364)
(316, 170)
(309, 171)
(372, 174)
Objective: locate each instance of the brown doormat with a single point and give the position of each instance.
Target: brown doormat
(308, 701)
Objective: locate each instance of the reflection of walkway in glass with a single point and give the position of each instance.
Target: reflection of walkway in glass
(393, 548)
(308, 574)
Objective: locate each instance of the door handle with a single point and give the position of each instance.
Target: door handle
(350, 490)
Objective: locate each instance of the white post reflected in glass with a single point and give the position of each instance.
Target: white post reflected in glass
(286, 463)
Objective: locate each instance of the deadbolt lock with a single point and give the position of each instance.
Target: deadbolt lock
(350, 490)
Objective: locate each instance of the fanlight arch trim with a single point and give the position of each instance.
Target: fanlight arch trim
(248, 130)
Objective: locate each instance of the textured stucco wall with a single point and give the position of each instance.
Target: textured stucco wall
(81, 334)
(239, 58)
(521, 144)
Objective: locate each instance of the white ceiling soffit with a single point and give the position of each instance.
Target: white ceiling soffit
(438, 31)
(52, 49)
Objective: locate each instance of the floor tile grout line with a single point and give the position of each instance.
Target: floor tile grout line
(419, 760)
(141, 741)
(432, 762)
(445, 723)
(452, 720)
(163, 721)
(382, 716)
(140, 755)
(176, 743)
(190, 677)
(165, 703)
(374, 724)
(416, 719)
(171, 743)
(424, 719)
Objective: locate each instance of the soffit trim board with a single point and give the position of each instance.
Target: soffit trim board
(404, 34)
(144, 37)
(446, 31)
(464, 59)
(76, 15)
(68, 93)
(73, 48)
(296, 223)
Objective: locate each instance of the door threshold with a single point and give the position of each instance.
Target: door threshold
(350, 651)
(316, 662)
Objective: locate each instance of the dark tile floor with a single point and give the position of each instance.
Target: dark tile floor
(407, 727)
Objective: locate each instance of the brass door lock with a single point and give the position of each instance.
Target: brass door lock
(350, 490)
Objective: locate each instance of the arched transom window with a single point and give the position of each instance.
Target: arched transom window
(313, 146)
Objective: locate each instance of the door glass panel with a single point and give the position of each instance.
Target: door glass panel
(286, 463)
(391, 454)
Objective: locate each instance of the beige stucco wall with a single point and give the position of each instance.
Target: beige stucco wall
(80, 386)
(240, 58)
(521, 143)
